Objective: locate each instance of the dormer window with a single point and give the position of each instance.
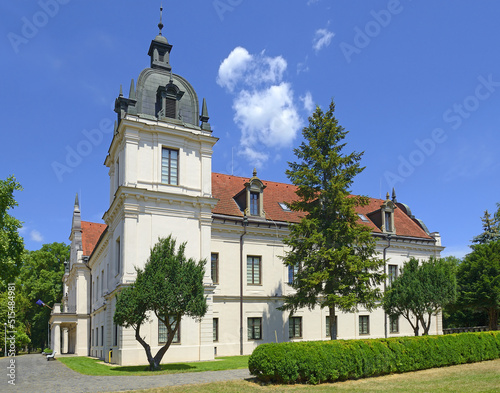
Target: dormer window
(254, 203)
(167, 100)
(387, 216)
(254, 197)
(388, 220)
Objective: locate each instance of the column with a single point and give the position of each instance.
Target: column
(65, 340)
(56, 337)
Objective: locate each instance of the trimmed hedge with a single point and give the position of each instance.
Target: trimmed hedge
(328, 361)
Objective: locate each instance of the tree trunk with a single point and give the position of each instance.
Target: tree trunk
(333, 326)
(493, 318)
(153, 366)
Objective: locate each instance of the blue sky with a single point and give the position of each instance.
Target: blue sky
(417, 84)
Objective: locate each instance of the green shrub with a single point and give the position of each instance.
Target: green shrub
(328, 361)
(48, 351)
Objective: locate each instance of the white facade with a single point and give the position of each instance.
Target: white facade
(161, 183)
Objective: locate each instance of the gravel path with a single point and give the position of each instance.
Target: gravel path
(33, 373)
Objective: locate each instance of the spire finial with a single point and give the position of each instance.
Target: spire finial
(160, 25)
(254, 172)
(77, 203)
(394, 195)
(387, 196)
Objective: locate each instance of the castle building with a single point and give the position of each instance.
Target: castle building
(161, 183)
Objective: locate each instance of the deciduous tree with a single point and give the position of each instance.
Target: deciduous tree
(421, 290)
(479, 281)
(333, 253)
(170, 286)
(11, 243)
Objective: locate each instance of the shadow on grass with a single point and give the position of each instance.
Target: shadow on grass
(164, 367)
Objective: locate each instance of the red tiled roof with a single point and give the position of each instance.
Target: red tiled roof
(226, 187)
(91, 232)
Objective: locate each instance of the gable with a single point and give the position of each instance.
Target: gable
(91, 233)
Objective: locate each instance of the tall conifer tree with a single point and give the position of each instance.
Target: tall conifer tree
(332, 252)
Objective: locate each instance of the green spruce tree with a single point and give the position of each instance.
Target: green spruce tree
(491, 228)
(332, 253)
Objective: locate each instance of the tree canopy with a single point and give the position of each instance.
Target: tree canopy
(332, 253)
(479, 281)
(40, 277)
(421, 290)
(171, 286)
(11, 243)
(491, 228)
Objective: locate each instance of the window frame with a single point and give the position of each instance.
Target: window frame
(215, 329)
(177, 336)
(394, 324)
(254, 203)
(293, 322)
(168, 166)
(327, 325)
(253, 258)
(215, 277)
(251, 328)
(390, 274)
(293, 270)
(364, 322)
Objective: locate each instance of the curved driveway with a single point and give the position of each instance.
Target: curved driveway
(35, 374)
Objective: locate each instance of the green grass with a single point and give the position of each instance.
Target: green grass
(474, 377)
(92, 366)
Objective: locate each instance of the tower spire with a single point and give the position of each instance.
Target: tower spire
(160, 25)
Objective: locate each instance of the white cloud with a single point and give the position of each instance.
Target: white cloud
(303, 67)
(36, 236)
(233, 67)
(263, 103)
(322, 39)
(310, 2)
(242, 68)
(307, 101)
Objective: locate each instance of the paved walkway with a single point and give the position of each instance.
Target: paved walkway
(35, 374)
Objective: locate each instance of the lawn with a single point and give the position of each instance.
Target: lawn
(92, 366)
(474, 377)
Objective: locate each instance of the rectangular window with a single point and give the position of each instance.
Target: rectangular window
(115, 335)
(118, 256)
(388, 222)
(96, 337)
(214, 259)
(216, 329)
(394, 324)
(92, 336)
(292, 273)
(254, 203)
(97, 287)
(364, 324)
(102, 282)
(393, 273)
(253, 270)
(163, 332)
(170, 104)
(254, 328)
(327, 325)
(170, 166)
(102, 336)
(295, 327)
